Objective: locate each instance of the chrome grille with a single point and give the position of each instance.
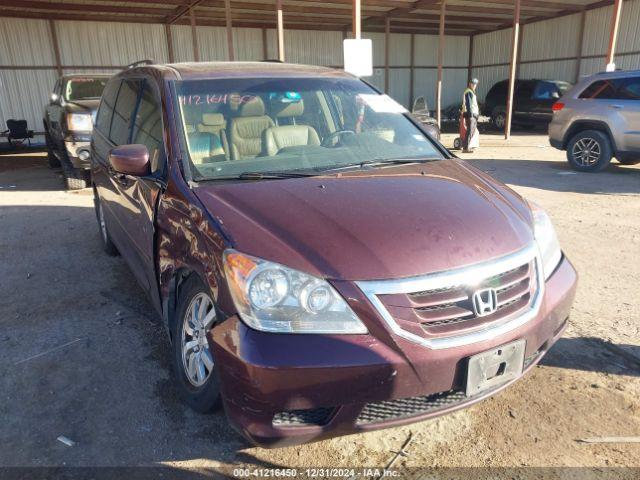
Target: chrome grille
(437, 310)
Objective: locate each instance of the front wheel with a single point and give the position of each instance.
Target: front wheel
(107, 245)
(74, 178)
(457, 143)
(589, 151)
(193, 360)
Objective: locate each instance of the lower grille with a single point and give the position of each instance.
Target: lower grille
(408, 407)
(301, 418)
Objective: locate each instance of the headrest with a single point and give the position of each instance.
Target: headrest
(213, 119)
(251, 108)
(291, 109)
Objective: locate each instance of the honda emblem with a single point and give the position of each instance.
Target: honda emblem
(485, 302)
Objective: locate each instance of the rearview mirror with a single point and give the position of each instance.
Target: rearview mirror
(130, 160)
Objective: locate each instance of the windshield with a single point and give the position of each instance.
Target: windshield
(84, 88)
(240, 126)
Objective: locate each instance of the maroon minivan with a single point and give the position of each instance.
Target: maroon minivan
(322, 265)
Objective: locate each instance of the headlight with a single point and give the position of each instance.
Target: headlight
(79, 121)
(274, 298)
(547, 240)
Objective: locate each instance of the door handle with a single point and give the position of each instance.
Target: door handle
(617, 107)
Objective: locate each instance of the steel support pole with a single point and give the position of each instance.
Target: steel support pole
(613, 34)
(356, 28)
(229, 25)
(280, 25)
(56, 46)
(387, 34)
(441, 41)
(513, 67)
(194, 35)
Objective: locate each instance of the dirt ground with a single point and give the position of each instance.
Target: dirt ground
(83, 355)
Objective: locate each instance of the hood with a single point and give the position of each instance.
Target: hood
(81, 106)
(377, 224)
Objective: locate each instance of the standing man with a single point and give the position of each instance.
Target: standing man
(470, 113)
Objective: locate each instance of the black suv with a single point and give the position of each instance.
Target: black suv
(68, 122)
(532, 102)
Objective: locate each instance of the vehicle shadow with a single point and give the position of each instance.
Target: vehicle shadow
(617, 179)
(594, 354)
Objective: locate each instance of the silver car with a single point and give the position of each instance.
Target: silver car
(598, 119)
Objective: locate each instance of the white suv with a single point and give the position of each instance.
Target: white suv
(598, 119)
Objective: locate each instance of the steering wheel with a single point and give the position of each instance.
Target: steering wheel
(329, 139)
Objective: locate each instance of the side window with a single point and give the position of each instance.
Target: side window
(525, 91)
(628, 88)
(602, 89)
(105, 112)
(123, 111)
(546, 91)
(147, 127)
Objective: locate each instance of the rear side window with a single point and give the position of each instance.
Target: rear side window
(147, 127)
(105, 112)
(602, 89)
(123, 111)
(628, 88)
(614, 89)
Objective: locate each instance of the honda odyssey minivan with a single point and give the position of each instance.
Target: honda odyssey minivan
(322, 265)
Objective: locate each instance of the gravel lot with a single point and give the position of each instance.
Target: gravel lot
(83, 355)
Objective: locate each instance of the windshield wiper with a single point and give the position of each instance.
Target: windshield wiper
(261, 176)
(395, 161)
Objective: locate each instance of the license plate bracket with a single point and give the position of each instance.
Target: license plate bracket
(490, 369)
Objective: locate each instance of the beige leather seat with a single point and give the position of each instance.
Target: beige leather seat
(215, 124)
(246, 129)
(277, 138)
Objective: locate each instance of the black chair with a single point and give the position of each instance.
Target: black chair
(18, 131)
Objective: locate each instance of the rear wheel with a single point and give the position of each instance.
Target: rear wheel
(589, 151)
(499, 120)
(193, 360)
(52, 160)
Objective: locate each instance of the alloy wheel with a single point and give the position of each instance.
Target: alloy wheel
(586, 152)
(197, 360)
(500, 121)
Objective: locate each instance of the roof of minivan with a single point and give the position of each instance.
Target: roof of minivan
(202, 70)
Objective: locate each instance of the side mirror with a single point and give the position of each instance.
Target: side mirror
(419, 105)
(130, 160)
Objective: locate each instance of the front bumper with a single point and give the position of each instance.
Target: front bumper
(283, 389)
(74, 147)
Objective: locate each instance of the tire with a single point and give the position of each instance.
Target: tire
(74, 178)
(457, 143)
(628, 161)
(589, 151)
(499, 120)
(107, 245)
(52, 160)
(200, 389)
